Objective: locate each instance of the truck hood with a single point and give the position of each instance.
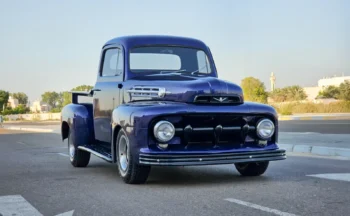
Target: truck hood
(187, 89)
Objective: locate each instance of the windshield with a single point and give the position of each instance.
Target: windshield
(169, 59)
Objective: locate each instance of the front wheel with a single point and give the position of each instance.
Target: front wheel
(129, 170)
(252, 169)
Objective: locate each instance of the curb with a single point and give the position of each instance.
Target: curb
(288, 118)
(30, 129)
(317, 150)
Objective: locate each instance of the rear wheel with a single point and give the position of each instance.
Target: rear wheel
(252, 169)
(129, 170)
(77, 157)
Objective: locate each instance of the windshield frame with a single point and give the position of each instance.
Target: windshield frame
(189, 73)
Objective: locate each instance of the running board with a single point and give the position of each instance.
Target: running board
(97, 151)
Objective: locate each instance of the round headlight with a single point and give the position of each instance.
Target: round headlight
(164, 131)
(265, 129)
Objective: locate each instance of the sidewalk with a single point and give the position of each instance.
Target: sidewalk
(335, 145)
(46, 128)
(315, 116)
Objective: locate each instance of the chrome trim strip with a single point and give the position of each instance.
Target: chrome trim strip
(95, 153)
(232, 128)
(211, 129)
(147, 91)
(203, 129)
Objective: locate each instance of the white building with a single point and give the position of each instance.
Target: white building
(12, 102)
(312, 92)
(335, 81)
(39, 107)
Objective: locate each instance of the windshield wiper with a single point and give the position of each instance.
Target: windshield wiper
(197, 71)
(173, 72)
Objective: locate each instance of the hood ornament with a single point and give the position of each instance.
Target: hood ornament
(220, 99)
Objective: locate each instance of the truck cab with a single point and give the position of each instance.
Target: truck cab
(158, 101)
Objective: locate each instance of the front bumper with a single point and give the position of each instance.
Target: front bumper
(211, 159)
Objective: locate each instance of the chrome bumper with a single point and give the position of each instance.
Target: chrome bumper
(211, 158)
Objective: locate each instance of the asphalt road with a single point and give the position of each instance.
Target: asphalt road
(36, 167)
(316, 126)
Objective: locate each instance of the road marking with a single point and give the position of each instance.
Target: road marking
(259, 207)
(70, 213)
(63, 154)
(333, 176)
(22, 143)
(17, 205)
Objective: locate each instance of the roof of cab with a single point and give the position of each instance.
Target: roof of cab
(143, 40)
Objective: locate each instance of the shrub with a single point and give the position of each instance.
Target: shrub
(56, 110)
(294, 108)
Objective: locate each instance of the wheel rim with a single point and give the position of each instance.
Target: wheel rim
(71, 150)
(123, 153)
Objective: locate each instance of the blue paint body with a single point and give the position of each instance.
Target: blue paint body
(113, 108)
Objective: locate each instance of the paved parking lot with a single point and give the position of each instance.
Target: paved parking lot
(35, 172)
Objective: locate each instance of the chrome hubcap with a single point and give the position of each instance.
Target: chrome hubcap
(123, 153)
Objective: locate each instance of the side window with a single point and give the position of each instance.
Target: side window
(113, 64)
(203, 62)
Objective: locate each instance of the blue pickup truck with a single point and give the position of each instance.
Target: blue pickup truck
(157, 101)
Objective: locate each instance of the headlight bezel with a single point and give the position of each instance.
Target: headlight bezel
(156, 130)
(259, 124)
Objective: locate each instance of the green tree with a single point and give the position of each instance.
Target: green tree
(278, 95)
(4, 97)
(289, 93)
(67, 96)
(254, 90)
(83, 88)
(329, 92)
(20, 109)
(344, 90)
(21, 97)
(295, 93)
(51, 98)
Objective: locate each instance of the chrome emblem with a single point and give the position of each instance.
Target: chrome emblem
(220, 99)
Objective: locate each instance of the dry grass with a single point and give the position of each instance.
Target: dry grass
(294, 108)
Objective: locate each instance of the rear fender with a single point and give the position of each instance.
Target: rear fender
(77, 119)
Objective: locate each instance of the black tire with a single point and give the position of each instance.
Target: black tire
(133, 173)
(79, 158)
(252, 169)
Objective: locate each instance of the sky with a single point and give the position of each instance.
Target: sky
(55, 45)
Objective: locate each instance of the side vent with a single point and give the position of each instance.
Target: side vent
(213, 99)
(147, 91)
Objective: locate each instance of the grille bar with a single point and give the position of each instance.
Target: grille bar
(206, 129)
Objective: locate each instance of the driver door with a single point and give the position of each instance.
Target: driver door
(107, 94)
